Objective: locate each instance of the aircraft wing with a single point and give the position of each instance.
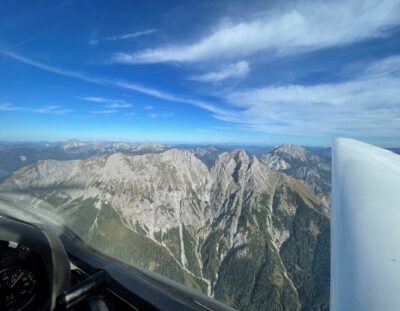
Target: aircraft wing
(365, 251)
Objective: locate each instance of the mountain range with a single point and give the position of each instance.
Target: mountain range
(309, 166)
(16, 155)
(231, 225)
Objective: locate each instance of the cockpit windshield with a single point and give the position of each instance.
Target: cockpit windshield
(192, 138)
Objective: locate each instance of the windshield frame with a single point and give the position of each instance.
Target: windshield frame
(135, 285)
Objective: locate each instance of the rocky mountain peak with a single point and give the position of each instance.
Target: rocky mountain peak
(236, 156)
(294, 151)
(217, 231)
(179, 155)
(301, 163)
(99, 147)
(73, 143)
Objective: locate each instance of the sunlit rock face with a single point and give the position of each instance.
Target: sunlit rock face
(247, 234)
(313, 168)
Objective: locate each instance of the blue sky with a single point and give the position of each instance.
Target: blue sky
(221, 72)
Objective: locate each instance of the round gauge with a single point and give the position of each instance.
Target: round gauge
(17, 288)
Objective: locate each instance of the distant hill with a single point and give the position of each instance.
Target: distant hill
(17, 155)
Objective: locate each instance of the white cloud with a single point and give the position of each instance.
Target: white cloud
(306, 26)
(46, 109)
(161, 115)
(237, 70)
(125, 36)
(367, 105)
(95, 99)
(111, 103)
(148, 107)
(107, 111)
(8, 107)
(389, 66)
(167, 114)
(114, 83)
(51, 110)
(118, 105)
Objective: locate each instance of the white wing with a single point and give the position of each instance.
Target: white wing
(365, 258)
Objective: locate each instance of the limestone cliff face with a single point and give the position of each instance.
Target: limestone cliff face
(233, 231)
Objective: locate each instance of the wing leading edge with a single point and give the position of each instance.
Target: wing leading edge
(365, 246)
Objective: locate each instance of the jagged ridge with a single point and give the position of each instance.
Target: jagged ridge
(232, 231)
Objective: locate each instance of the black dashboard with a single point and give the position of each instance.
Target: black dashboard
(47, 267)
(34, 267)
(22, 277)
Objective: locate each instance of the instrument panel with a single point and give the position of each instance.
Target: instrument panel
(22, 276)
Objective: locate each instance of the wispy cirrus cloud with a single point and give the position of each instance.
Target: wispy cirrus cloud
(107, 111)
(53, 109)
(8, 107)
(237, 70)
(303, 27)
(148, 107)
(108, 102)
(97, 99)
(125, 36)
(114, 83)
(161, 115)
(367, 105)
(118, 105)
